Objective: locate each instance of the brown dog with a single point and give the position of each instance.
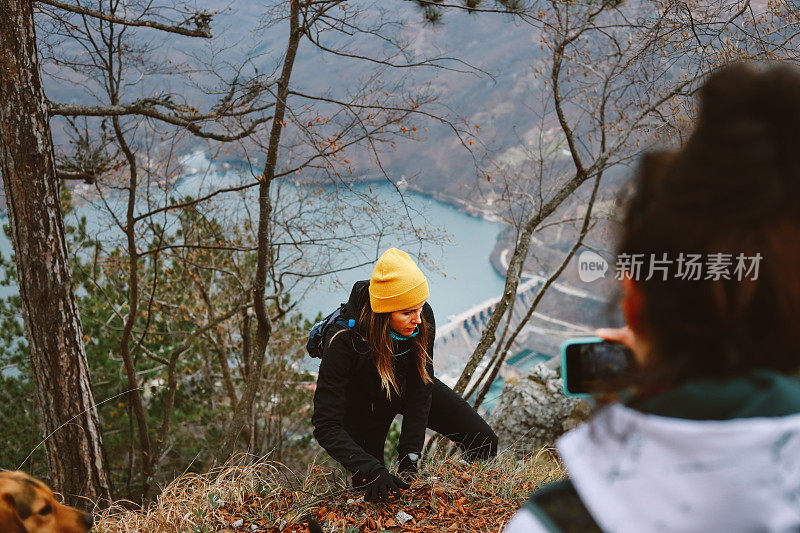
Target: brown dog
(28, 506)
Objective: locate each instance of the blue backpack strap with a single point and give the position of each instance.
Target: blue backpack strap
(346, 323)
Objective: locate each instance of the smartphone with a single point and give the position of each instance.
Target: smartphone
(591, 365)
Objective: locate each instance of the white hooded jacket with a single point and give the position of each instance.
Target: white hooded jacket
(638, 472)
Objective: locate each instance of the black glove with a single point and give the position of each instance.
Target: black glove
(380, 485)
(409, 465)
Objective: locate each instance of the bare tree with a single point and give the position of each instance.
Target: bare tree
(365, 119)
(103, 53)
(86, 466)
(618, 78)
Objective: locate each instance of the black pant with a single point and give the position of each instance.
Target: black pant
(451, 416)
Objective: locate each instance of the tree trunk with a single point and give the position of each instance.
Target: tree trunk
(73, 442)
(134, 397)
(240, 425)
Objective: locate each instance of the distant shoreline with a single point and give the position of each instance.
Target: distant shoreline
(459, 204)
(465, 207)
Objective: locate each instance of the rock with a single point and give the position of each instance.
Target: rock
(403, 517)
(533, 411)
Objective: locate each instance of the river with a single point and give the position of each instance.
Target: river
(458, 270)
(462, 275)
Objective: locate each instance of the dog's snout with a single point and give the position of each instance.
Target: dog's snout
(88, 520)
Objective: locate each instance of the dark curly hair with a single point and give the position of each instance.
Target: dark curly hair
(733, 188)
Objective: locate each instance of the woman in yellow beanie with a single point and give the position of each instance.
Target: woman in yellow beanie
(383, 366)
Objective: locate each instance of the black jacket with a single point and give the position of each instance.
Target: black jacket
(349, 400)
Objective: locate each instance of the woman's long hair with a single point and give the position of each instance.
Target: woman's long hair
(374, 328)
(734, 188)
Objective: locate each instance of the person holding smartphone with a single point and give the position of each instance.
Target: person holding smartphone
(382, 366)
(709, 438)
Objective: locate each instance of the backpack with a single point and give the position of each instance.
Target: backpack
(319, 331)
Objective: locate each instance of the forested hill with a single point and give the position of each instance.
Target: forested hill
(482, 81)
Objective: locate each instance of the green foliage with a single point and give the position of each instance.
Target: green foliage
(192, 280)
(514, 6)
(20, 433)
(433, 10)
(432, 14)
(392, 439)
(472, 4)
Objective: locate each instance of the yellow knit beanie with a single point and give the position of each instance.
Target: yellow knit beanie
(397, 283)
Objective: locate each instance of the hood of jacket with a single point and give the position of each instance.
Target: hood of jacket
(638, 471)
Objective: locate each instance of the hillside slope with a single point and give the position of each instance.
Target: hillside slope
(448, 496)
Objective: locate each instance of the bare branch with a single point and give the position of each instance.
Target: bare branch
(201, 20)
(147, 108)
(86, 177)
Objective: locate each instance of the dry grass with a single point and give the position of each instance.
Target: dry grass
(266, 497)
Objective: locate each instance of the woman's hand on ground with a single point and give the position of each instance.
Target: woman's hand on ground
(381, 486)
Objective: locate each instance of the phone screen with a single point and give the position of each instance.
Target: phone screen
(593, 365)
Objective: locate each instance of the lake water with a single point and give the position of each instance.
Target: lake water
(458, 270)
(460, 276)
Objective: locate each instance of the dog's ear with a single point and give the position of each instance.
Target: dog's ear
(9, 519)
